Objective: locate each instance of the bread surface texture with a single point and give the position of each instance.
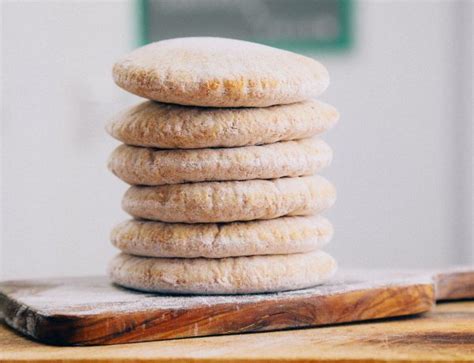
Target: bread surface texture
(146, 166)
(233, 275)
(230, 201)
(219, 72)
(283, 235)
(168, 126)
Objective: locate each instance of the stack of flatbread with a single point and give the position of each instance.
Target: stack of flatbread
(222, 163)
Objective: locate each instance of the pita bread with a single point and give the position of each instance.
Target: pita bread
(230, 201)
(267, 237)
(145, 166)
(166, 126)
(233, 275)
(219, 72)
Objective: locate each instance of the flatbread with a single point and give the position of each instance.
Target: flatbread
(230, 201)
(146, 166)
(266, 237)
(167, 126)
(219, 72)
(233, 275)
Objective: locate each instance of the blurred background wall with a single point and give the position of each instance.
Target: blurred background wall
(403, 147)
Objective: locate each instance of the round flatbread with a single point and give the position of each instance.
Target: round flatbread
(232, 275)
(267, 237)
(182, 127)
(230, 201)
(145, 166)
(219, 72)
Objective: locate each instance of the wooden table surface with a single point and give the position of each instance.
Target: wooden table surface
(445, 334)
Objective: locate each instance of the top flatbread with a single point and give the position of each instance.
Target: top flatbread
(219, 72)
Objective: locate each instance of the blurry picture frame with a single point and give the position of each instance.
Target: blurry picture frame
(299, 25)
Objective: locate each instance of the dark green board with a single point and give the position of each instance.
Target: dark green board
(298, 25)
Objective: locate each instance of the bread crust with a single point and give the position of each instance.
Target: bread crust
(283, 235)
(210, 202)
(146, 166)
(167, 126)
(219, 72)
(233, 275)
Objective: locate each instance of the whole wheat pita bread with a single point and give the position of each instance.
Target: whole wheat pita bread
(219, 72)
(145, 166)
(233, 275)
(167, 126)
(230, 201)
(266, 237)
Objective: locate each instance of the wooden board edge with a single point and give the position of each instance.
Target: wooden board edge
(293, 312)
(28, 321)
(454, 284)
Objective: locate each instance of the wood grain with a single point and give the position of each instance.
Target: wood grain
(91, 311)
(444, 335)
(456, 283)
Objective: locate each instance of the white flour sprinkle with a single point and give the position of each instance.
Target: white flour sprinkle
(96, 295)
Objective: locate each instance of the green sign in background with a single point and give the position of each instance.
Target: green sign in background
(300, 25)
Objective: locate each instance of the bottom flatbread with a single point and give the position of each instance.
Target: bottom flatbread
(233, 275)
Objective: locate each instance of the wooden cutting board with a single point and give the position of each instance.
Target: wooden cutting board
(91, 311)
(444, 334)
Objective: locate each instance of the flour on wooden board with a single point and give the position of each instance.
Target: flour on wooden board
(90, 296)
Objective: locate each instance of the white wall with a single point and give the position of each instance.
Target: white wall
(402, 189)
(59, 201)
